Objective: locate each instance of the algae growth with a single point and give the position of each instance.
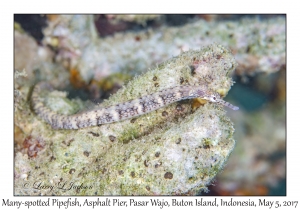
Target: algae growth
(177, 149)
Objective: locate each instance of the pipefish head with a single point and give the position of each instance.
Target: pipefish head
(216, 98)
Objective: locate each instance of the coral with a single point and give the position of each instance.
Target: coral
(33, 146)
(258, 44)
(174, 150)
(26, 50)
(33, 63)
(18, 96)
(140, 19)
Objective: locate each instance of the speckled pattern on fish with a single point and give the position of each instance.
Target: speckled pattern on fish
(122, 111)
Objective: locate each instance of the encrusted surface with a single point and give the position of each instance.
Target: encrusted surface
(174, 150)
(258, 45)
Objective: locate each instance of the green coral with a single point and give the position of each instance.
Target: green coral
(141, 156)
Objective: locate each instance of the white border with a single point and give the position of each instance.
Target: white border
(253, 6)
